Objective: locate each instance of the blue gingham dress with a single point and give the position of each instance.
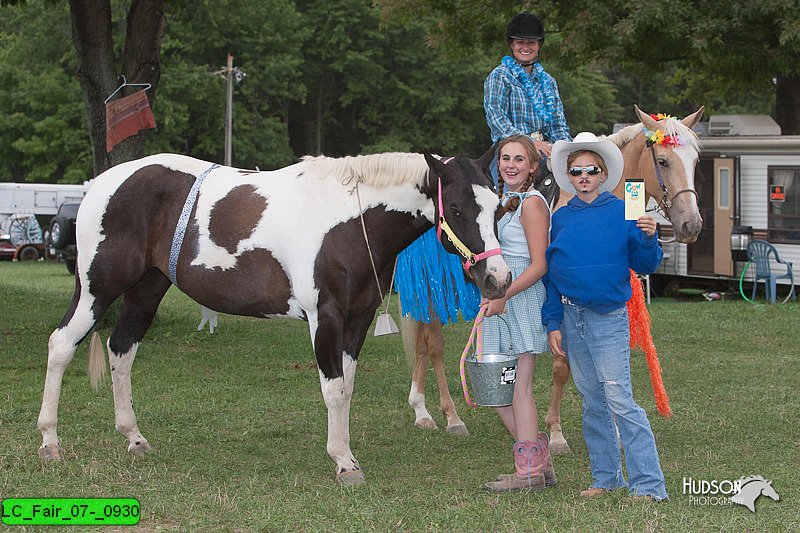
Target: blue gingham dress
(520, 328)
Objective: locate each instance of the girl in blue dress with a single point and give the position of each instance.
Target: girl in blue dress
(514, 323)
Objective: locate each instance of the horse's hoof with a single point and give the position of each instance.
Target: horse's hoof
(139, 448)
(459, 430)
(51, 452)
(426, 423)
(559, 447)
(348, 478)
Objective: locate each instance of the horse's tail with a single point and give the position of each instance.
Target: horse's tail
(409, 328)
(97, 366)
(641, 337)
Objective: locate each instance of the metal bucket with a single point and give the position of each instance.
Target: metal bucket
(492, 378)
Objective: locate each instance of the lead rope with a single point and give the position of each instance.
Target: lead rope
(391, 284)
(476, 336)
(369, 250)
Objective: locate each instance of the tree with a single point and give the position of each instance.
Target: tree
(43, 121)
(719, 51)
(266, 39)
(375, 89)
(45, 137)
(473, 32)
(714, 53)
(98, 67)
(98, 70)
(342, 67)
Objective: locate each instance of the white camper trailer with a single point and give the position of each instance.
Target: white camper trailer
(748, 181)
(26, 208)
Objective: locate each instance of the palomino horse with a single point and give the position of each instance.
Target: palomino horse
(668, 170)
(310, 241)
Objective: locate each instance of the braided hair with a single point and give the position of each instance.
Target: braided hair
(533, 156)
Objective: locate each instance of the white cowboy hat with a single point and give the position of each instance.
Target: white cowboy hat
(586, 140)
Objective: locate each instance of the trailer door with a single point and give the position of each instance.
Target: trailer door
(723, 215)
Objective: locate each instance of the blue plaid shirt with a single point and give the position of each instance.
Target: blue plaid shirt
(509, 111)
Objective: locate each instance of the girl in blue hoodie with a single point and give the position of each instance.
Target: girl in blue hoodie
(592, 247)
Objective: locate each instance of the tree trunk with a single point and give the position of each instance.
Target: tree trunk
(787, 105)
(91, 33)
(97, 73)
(141, 63)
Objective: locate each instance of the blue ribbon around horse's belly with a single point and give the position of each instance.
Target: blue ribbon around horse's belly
(183, 221)
(428, 274)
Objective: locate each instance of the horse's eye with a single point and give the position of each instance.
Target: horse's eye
(455, 211)
(662, 162)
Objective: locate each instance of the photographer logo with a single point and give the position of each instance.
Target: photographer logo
(743, 491)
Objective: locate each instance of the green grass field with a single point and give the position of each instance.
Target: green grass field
(238, 426)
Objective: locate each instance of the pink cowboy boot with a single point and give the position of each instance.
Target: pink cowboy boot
(547, 460)
(528, 473)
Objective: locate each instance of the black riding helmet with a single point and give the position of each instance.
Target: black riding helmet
(525, 25)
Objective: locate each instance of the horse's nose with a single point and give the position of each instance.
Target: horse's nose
(489, 283)
(492, 288)
(689, 230)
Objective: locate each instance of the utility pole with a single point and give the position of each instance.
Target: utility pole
(229, 111)
(229, 72)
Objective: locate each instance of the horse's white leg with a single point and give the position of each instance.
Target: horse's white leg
(416, 398)
(61, 349)
(124, 417)
(435, 343)
(138, 309)
(336, 347)
(337, 393)
(558, 444)
(417, 355)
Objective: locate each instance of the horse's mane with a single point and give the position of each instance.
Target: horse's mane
(669, 126)
(379, 170)
(748, 479)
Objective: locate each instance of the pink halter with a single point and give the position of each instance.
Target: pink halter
(466, 253)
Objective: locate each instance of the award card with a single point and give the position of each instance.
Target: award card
(634, 198)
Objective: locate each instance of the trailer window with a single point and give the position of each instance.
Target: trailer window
(784, 204)
(724, 188)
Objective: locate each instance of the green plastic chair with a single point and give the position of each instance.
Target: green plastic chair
(761, 254)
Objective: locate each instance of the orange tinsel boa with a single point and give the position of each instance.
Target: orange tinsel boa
(642, 338)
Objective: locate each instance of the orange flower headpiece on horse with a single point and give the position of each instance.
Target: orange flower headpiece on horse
(658, 136)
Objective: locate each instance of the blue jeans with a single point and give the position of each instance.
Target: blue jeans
(598, 349)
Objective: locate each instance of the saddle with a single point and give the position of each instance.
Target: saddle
(545, 183)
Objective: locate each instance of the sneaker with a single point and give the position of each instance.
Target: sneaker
(593, 492)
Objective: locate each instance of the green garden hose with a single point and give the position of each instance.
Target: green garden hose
(741, 279)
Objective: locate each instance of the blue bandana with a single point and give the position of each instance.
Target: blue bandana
(543, 100)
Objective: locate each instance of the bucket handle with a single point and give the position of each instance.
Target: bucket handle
(475, 335)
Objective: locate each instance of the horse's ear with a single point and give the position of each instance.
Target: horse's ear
(434, 164)
(486, 159)
(694, 118)
(649, 122)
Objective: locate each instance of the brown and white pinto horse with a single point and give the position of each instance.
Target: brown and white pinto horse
(677, 199)
(289, 242)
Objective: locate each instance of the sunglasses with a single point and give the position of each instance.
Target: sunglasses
(592, 170)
